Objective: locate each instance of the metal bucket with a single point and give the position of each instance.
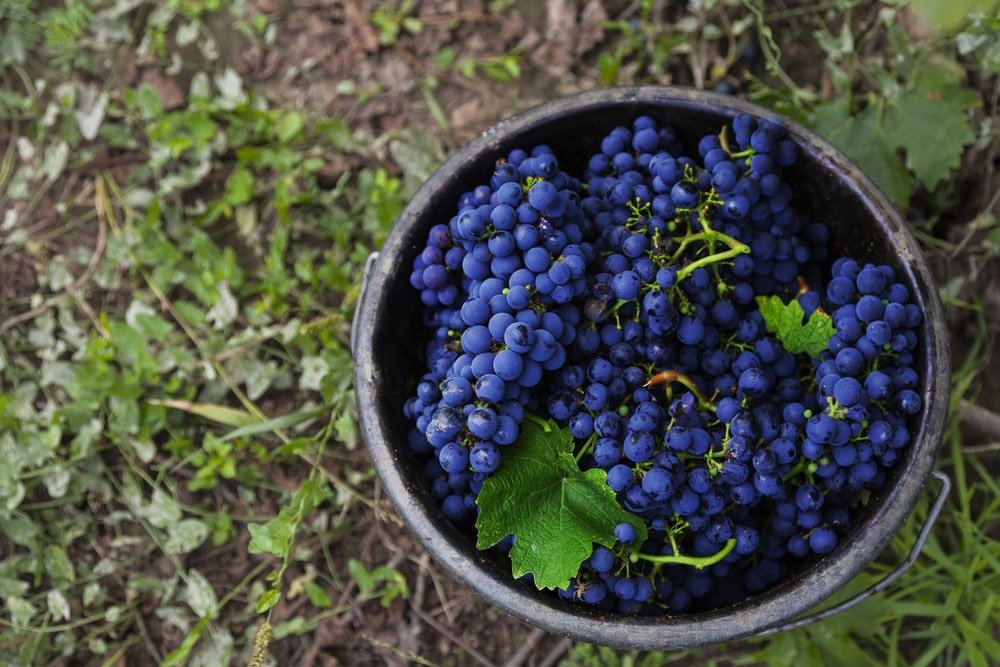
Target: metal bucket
(388, 337)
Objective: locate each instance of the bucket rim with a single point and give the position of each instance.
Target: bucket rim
(760, 611)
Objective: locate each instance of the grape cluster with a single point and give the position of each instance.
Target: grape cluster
(499, 283)
(623, 306)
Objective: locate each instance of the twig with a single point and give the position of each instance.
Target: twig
(102, 237)
(84, 306)
(991, 152)
(982, 449)
(398, 652)
(471, 17)
(555, 654)
(476, 655)
(980, 419)
(417, 600)
(525, 649)
(443, 599)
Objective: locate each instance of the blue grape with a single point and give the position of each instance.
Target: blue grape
(624, 533)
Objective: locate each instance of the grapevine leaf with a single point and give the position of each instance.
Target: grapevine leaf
(933, 128)
(556, 511)
(931, 124)
(786, 322)
(863, 139)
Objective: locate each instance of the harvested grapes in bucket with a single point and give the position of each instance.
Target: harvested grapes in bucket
(648, 382)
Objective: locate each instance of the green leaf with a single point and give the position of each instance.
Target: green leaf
(395, 582)
(218, 413)
(268, 599)
(272, 537)
(275, 423)
(239, 187)
(19, 530)
(275, 536)
(21, 611)
(557, 511)
(359, 573)
(933, 129)
(864, 141)
(786, 322)
(57, 563)
(317, 596)
(58, 605)
(200, 595)
(179, 655)
(948, 16)
(133, 348)
(185, 536)
(289, 126)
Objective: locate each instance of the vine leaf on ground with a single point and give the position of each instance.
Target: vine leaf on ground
(864, 141)
(929, 122)
(556, 511)
(788, 324)
(943, 130)
(932, 126)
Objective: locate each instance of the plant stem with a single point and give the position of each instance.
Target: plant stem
(700, 562)
(670, 376)
(587, 446)
(736, 248)
(530, 416)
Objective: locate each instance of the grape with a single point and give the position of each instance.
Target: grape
(840, 290)
(453, 457)
(484, 457)
(879, 333)
(620, 477)
(624, 533)
(519, 337)
(684, 194)
(871, 281)
(483, 422)
(907, 402)
(453, 507)
(822, 540)
(848, 391)
(657, 483)
(508, 364)
(626, 285)
(593, 593)
(572, 297)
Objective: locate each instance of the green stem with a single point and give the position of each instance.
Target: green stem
(804, 466)
(587, 446)
(736, 248)
(685, 242)
(530, 416)
(700, 562)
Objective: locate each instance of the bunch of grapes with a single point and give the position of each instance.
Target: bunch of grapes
(500, 283)
(624, 307)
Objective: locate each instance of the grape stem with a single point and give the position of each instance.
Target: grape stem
(546, 426)
(700, 562)
(587, 446)
(735, 248)
(670, 376)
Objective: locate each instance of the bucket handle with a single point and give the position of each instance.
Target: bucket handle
(372, 256)
(888, 580)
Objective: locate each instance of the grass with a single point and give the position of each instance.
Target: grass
(180, 265)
